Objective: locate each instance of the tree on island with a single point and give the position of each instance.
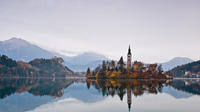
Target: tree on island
(112, 65)
(88, 72)
(102, 72)
(160, 70)
(121, 64)
(137, 70)
(104, 66)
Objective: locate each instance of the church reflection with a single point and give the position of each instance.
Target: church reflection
(121, 88)
(129, 98)
(128, 87)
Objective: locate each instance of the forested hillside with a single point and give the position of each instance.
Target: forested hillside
(37, 68)
(187, 69)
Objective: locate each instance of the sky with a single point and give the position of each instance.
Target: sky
(156, 30)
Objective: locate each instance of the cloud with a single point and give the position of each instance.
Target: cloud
(107, 26)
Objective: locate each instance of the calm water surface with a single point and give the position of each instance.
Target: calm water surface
(81, 95)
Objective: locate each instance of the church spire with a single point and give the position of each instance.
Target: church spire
(129, 98)
(129, 50)
(129, 58)
(129, 107)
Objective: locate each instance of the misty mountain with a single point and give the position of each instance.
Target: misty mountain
(81, 62)
(175, 62)
(176, 93)
(85, 58)
(83, 67)
(19, 49)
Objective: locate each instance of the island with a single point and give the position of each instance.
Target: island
(120, 70)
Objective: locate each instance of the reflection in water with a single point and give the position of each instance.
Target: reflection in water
(188, 85)
(129, 98)
(66, 88)
(35, 86)
(122, 87)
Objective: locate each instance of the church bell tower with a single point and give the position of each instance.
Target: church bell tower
(129, 58)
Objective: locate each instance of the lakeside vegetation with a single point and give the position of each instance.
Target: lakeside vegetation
(190, 70)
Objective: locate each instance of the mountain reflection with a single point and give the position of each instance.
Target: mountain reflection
(37, 87)
(121, 88)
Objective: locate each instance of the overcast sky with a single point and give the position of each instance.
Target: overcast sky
(157, 30)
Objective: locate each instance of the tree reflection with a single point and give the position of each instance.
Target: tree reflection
(128, 87)
(55, 87)
(36, 86)
(188, 85)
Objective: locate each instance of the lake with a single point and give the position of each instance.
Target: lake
(84, 95)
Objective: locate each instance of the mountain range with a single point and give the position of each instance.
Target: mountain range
(81, 62)
(19, 49)
(22, 50)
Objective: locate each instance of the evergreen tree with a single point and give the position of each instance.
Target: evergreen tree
(112, 65)
(121, 64)
(160, 70)
(88, 71)
(103, 66)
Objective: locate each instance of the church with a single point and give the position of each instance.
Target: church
(129, 58)
(129, 63)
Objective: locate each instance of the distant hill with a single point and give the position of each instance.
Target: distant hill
(83, 67)
(175, 62)
(85, 58)
(81, 62)
(193, 67)
(37, 68)
(19, 49)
